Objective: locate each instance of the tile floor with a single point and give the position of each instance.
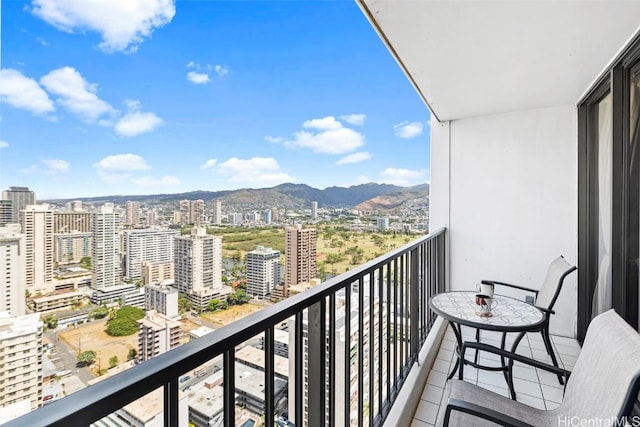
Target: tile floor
(533, 386)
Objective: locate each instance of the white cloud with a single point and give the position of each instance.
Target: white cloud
(52, 167)
(254, 172)
(221, 70)
(122, 162)
(192, 64)
(76, 94)
(22, 92)
(198, 78)
(274, 139)
(403, 177)
(208, 164)
(326, 135)
(136, 123)
(165, 181)
(358, 157)
(325, 123)
(354, 119)
(408, 129)
(4, 144)
(123, 24)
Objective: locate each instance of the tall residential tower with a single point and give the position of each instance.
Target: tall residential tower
(300, 247)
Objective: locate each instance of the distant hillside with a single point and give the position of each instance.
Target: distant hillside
(394, 200)
(286, 195)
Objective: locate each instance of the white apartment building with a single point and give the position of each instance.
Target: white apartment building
(382, 223)
(370, 324)
(12, 270)
(151, 218)
(75, 206)
(198, 266)
(105, 253)
(263, 271)
(37, 226)
(21, 359)
(235, 218)
(163, 299)
(6, 212)
(71, 247)
(217, 212)
(20, 198)
(314, 211)
(69, 222)
(133, 213)
(155, 246)
(148, 411)
(157, 334)
(300, 252)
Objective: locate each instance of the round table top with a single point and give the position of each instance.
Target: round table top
(508, 315)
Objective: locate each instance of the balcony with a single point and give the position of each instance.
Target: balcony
(379, 308)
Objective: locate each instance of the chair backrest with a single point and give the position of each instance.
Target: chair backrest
(550, 289)
(607, 368)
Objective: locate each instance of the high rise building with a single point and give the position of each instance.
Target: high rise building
(71, 247)
(369, 323)
(20, 197)
(235, 218)
(147, 245)
(21, 364)
(217, 212)
(192, 211)
(157, 272)
(68, 222)
(274, 214)
(263, 271)
(382, 223)
(157, 334)
(198, 266)
(314, 211)
(37, 226)
(12, 266)
(163, 299)
(75, 206)
(300, 252)
(266, 216)
(133, 213)
(152, 218)
(6, 212)
(105, 253)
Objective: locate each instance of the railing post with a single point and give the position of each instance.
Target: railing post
(414, 318)
(229, 386)
(316, 356)
(269, 400)
(171, 403)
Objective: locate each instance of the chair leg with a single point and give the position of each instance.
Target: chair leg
(549, 347)
(475, 359)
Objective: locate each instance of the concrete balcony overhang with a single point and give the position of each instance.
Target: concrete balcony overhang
(476, 58)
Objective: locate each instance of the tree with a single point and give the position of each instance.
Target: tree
(214, 304)
(86, 357)
(132, 354)
(113, 362)
(99, 313)
(184, 304)
(51, 321)
(125, 321)
(85, 262)
(239, 297)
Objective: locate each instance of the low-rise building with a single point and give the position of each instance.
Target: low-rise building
(157, 334)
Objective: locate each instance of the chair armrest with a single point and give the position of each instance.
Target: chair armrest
(513, 356)
(545, 310)
(482, 412)
(509, 285)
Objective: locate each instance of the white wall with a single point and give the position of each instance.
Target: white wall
(506, 188)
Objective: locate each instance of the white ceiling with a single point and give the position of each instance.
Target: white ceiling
(472, 58)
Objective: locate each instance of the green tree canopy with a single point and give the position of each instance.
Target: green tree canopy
(86, 357)
(125, 321)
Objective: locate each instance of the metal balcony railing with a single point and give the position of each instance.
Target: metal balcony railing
(366, 325)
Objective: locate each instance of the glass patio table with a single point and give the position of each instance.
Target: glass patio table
(509, 315)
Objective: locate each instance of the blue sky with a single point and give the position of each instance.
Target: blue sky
(154, 96)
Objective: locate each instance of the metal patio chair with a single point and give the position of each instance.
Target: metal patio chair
(545, 299)
(602, 388)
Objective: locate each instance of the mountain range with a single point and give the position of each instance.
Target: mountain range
(287, 195)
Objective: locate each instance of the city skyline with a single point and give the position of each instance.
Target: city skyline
(202, 96)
